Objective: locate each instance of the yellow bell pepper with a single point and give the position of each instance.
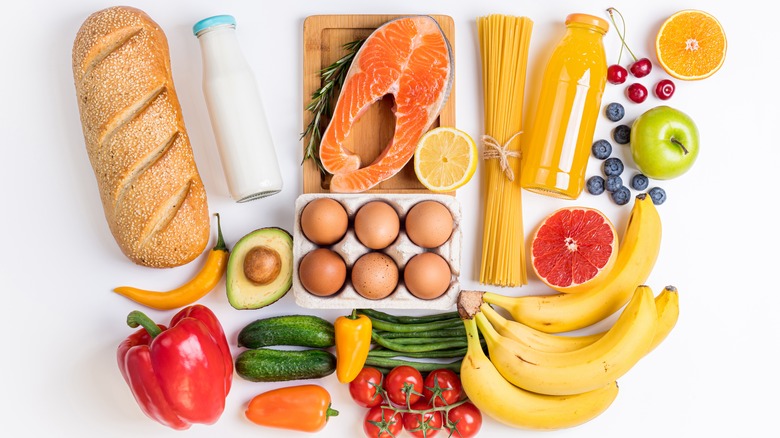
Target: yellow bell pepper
(353, 340)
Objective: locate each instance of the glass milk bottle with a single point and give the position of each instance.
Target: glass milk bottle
(236, 111)
(556, 155)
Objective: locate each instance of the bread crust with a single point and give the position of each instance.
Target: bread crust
(152, 194)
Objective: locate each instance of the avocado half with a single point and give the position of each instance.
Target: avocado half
(243, 293)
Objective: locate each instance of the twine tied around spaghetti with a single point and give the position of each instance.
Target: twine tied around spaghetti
(492, 149)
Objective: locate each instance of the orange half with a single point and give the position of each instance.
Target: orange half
(691, 45)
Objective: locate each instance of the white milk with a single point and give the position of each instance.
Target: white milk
(236, 111)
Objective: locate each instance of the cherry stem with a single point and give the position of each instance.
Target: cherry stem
(677, 142)
(623, 35)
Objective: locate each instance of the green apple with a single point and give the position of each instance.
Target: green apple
(664, 142)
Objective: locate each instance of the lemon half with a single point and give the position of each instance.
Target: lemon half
(445, 159)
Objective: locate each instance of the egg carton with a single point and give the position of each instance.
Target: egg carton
(401, 251)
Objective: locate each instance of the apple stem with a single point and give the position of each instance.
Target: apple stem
(622, 36)
(677, 142)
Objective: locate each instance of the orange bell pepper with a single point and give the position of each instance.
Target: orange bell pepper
(353, 340)
(304, 408)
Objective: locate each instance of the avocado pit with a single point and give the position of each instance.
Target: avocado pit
(262, 265)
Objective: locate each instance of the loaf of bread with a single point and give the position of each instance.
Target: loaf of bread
(152, 195)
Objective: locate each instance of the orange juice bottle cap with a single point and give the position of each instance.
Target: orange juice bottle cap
(591, 20)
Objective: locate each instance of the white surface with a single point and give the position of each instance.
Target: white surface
(715, 374)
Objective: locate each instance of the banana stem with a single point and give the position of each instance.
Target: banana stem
(472, 334)
(499, 300)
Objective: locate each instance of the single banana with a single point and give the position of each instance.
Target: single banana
(513, 406)
(562, 312)
(667, 303)
(533, 338)
(666, 306)
(585, 369)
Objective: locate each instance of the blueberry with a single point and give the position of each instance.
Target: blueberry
(621, 196)
(615, 111)
(658, 195)
(612, 166)
(639, 182)
(595, 185)
(614, 183)
(601, 149)
(622, 134)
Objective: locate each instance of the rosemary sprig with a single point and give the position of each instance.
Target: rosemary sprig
(332, 79)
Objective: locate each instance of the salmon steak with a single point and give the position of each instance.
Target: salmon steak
(408, 58)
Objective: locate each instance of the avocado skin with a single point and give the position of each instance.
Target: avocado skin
(242, 293)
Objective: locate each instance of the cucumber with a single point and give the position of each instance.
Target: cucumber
(294, 330)
(269, 365)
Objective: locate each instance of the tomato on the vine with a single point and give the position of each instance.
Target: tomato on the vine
(464, 421)
(401, 382)
(424, 425)
(382, 422)
(442, 387)
(365, 388)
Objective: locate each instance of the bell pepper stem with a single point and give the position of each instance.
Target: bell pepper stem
(137, 318)
(354, 314)
(331, 412)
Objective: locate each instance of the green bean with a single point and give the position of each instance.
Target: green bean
(383, 370)
(423, 367)
(430, 346)
(378, 324)
(455, 352)
(426, 341)
(443, 333)
(404, 319)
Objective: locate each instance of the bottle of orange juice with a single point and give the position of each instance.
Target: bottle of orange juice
(555, 157)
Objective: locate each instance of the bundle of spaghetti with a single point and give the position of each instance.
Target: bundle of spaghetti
(504, 42)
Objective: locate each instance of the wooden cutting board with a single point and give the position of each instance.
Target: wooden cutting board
(323, 39)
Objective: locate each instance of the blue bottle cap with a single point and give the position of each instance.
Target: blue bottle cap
(216, 20)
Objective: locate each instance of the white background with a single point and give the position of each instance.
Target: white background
(61, 323)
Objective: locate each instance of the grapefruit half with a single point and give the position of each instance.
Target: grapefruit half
(573, 249)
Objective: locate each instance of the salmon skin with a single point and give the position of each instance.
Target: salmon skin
(409, 58)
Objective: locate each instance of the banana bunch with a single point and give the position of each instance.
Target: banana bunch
(537, 378)
(496, 397)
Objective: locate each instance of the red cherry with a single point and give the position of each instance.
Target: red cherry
(636, 93)
(641, 67)
(664, 89)
(616, 74)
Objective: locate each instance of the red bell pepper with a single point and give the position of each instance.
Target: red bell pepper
(179, 375)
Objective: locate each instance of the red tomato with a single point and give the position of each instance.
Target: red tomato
(442, 387)
(363, 388)
(465, 420)
(403, 380)
(424, 425)
(382, 422)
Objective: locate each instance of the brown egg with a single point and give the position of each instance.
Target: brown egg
(377, 224)
(427, 276)
(374, 275)
(429, 224)
(324, 221)
(322, 272)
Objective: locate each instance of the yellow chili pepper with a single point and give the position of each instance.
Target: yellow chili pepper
(193, 290)
(353, 340)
